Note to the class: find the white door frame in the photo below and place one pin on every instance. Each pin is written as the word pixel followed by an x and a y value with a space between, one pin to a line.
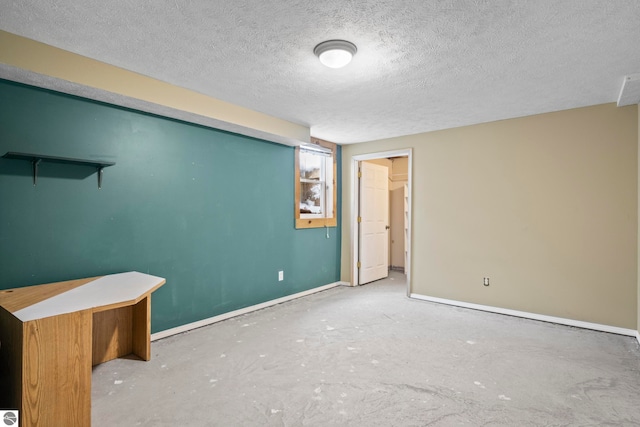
pixel 355 197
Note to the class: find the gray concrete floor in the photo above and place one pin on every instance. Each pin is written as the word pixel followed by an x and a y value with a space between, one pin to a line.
pixel 369 356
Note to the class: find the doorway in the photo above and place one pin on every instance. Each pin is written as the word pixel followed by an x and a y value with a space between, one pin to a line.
pixel 399 253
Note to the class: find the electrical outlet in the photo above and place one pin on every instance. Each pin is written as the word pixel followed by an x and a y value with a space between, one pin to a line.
pixel 280 276
pixel 486 281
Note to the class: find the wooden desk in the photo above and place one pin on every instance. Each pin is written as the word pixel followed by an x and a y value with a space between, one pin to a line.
pixel 51 335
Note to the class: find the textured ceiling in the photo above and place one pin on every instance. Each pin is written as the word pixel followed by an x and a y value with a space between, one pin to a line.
pixel 421 65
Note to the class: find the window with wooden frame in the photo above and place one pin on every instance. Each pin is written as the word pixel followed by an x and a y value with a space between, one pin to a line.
pixel 315 181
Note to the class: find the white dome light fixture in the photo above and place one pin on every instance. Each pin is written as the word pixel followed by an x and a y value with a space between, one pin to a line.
pixel 335 53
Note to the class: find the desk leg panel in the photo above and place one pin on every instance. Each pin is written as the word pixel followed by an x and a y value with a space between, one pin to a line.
pixel 56 384
pixel 112 334
pixel 142 328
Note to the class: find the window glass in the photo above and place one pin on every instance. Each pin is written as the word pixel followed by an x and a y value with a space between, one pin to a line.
pixel 312 183
pixel 315 170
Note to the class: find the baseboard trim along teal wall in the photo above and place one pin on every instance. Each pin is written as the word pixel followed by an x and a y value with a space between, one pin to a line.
pixel 236 313
pixel 210 211
pixel 532 316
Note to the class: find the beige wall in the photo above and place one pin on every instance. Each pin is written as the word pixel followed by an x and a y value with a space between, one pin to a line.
pixel 32 62
pixel 546 206
pixel 382 162
pixel 400 169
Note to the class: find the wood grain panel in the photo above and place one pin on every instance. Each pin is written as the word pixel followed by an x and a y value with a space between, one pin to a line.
pixel 10 360
pixel 19 298
pixel 56 371
pixel 142 328
pixel 112 334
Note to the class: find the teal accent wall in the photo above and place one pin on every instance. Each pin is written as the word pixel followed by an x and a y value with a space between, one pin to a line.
pixel 210 211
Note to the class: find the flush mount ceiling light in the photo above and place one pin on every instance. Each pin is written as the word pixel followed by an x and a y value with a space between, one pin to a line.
pixel 335 53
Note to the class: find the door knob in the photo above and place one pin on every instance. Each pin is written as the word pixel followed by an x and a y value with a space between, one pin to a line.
pixel 386 227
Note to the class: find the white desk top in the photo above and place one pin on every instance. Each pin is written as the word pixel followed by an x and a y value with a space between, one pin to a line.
pixel 105 291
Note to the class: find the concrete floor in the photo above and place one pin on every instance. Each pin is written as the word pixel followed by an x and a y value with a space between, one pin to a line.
pixel 369 356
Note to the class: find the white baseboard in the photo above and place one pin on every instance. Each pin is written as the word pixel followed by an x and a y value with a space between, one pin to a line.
pixel 638 336
pixel 534 316
pixel 224 316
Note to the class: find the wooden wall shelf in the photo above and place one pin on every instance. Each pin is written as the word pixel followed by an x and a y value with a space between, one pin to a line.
pixel 36 159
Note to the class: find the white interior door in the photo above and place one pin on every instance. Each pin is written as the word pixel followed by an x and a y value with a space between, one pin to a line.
pixel 374 223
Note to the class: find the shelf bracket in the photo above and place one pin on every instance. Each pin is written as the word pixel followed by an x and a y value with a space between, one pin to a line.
pixel 35 163
pixel 100 170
